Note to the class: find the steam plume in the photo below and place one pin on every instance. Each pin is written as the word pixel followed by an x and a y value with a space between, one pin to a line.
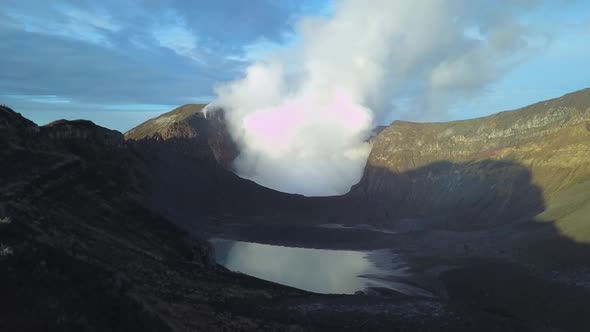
pixel 302 116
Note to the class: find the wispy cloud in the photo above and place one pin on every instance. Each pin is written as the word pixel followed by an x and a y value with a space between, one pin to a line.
pixel 43 99
pixel 68 22
pixel 138 107
pixel 180 40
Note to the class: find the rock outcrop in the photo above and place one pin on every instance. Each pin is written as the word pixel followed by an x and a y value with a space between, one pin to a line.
pixel 187 129
pixel 83 130
pixel 14 129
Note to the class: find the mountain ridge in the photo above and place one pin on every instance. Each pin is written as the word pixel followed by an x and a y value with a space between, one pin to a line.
pixel 551 139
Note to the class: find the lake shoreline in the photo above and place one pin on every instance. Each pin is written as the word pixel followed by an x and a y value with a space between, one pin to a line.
pixel 324 271
pixel 453 275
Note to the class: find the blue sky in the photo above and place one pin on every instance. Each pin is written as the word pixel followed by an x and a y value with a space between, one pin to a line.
pixel 119 63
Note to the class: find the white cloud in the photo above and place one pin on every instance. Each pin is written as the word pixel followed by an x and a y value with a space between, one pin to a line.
pixel 99 20
pixel 43 99
pixel 180 40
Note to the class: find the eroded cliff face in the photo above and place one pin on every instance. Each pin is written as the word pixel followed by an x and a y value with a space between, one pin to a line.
pixel 189 130
pixel 491 170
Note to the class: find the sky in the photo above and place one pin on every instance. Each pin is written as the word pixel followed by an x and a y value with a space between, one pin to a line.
pixel 119 63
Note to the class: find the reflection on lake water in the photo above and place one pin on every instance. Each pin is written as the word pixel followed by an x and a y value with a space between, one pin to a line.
pixel 316 270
